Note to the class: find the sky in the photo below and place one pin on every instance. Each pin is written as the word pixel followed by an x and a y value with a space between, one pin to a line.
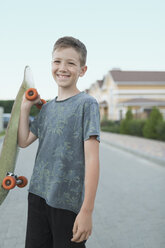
pixel 129 35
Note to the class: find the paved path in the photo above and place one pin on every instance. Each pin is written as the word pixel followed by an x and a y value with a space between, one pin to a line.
pixel 151 149
pixel 129 210
pixel 130 203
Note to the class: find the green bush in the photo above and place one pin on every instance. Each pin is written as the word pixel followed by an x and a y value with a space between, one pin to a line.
pixel 8 104
pixel 2 133
pixel 34 111
pixel 135 127
pixel 160 130
pixel 110 126
pixel 129 115
pixel 124 129
pixel 105 123
pixel 153 128
pixel 113 129
pixel 149 130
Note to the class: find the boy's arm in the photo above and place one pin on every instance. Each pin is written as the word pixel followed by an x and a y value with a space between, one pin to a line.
pixel 25 137
pixel 83 224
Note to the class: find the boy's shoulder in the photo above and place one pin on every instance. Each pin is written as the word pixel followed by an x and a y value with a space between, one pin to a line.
pixel 88 99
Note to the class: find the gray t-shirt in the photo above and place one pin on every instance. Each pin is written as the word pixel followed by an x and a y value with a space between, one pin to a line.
pixel 59 170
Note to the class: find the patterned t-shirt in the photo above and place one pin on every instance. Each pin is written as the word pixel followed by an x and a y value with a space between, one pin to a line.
pixel 59 170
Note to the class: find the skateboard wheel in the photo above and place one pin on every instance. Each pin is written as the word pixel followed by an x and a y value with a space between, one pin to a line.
pixel 39 105
pixel 24 182
pixel 31 94
pixel 9 182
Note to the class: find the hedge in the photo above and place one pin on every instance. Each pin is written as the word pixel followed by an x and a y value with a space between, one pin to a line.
pixel 8 104
pixel 135 127
pixel 153 127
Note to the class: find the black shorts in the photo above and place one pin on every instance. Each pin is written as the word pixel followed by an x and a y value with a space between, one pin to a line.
pixel 49 227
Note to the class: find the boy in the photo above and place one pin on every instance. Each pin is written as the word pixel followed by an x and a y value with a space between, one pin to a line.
pixel 65 176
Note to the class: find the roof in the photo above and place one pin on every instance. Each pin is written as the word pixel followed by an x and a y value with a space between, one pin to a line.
pixel 100 83
pixel 137 76
pixel 142 102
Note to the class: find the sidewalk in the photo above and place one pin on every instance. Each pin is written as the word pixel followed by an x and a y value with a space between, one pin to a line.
pixel 150 149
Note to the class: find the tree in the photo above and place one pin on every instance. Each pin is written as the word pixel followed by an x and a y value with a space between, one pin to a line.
pixel 129 115
pixel 125 123
pixel 160 129
pixel 149 130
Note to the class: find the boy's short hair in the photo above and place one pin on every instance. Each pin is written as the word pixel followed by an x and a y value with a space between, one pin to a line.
pixel 68 41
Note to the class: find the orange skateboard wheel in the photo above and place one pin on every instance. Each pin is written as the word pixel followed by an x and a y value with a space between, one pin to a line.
pixel 9 182
pixel 39 105
pixel 31 94
pixel 24 181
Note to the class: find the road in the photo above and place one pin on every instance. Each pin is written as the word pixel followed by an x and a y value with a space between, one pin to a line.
pixel 129 209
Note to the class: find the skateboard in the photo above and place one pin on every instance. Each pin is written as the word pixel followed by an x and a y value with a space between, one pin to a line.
pixel 9 151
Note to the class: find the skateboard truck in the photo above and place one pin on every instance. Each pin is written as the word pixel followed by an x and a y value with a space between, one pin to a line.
pixel 31 94
pixel 11 180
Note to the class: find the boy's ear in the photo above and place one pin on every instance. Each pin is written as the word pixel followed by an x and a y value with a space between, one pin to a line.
pixel 83 70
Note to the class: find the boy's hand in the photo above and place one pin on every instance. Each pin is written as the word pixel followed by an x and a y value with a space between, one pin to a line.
pixel 82 228
pixel 28 104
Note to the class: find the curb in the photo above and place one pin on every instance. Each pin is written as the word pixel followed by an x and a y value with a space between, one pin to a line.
pixel 137 153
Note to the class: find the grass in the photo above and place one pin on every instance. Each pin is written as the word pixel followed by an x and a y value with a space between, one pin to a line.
pixel 2 133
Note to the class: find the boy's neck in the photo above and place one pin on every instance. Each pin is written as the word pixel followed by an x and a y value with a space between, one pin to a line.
pixel 64 93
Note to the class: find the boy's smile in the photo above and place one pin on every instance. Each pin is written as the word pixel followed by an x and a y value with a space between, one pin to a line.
pixel 66 68
pixel 62 76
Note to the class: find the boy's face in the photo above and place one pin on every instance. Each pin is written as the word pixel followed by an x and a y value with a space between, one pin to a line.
pixel 66 68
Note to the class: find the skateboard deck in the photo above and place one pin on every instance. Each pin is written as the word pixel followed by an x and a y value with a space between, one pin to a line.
pixel 9 149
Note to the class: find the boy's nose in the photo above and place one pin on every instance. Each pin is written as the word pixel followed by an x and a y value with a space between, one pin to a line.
pixel 63 67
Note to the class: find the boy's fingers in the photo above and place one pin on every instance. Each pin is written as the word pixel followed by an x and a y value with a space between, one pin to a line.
pixel 37 100
pixel 87 235
pixel 76 236
pixel 74 228
pixel 79 237
pixel 82 238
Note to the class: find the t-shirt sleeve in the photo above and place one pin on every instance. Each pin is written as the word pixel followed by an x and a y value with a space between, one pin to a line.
pixel 91 120
pixel 34 126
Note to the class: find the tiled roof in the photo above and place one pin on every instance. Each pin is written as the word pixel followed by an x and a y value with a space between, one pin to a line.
pixel 142 101
pixel 100 83
pixel 138 76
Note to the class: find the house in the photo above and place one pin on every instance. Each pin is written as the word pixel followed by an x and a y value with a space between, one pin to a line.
pixel 119 90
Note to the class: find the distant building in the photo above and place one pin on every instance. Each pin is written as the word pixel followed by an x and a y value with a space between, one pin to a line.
pixel 140 90
pixel 1 119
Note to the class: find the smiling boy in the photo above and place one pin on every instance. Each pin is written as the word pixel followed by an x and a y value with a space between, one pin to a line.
pixel 65 176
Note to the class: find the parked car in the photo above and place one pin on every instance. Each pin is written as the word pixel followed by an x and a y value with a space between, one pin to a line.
pixel 6 118
pixel 31 118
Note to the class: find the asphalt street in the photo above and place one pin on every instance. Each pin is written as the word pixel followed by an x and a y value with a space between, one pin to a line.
pixel 129 209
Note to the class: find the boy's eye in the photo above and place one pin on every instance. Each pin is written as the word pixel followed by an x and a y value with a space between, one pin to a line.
pixel 56 61
pixel 71 63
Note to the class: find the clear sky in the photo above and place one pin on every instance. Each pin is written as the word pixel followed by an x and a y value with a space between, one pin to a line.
pixel 125 34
